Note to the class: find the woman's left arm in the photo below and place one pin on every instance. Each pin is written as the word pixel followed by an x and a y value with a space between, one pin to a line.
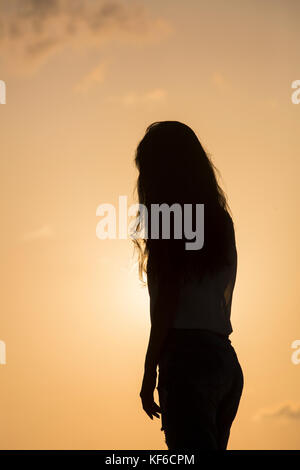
pixel 162 319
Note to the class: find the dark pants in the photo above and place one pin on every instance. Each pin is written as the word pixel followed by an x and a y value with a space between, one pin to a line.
pixel 200 384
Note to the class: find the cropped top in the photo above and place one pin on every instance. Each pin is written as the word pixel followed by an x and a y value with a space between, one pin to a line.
pixel 206 303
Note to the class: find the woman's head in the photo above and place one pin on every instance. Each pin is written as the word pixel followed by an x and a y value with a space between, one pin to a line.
pixel 174 168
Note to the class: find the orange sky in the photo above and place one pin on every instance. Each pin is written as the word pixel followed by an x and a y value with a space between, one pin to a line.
pixel 82 85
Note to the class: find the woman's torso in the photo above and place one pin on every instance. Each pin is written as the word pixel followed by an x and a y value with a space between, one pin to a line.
pixel 205 304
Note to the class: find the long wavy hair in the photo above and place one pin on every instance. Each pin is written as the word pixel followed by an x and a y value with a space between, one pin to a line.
pixel 174 168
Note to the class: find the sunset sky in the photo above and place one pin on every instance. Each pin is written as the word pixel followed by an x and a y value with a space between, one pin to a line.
pixel 83 81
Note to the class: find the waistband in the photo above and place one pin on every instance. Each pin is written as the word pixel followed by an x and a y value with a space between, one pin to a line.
pixel 182 341
pixel 197 334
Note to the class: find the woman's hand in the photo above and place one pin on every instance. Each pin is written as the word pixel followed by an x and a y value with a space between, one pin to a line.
pixel 147 392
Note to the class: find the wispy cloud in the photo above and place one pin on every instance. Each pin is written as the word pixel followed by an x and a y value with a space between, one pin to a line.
pixel 93 77
pixel 33 30
pixel 44 232
pixel 289 411
pixel 219 81
pixel 132 98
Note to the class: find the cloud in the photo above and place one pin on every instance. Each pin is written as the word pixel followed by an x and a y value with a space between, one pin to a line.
pixel 95 76
pixel 219 81
pixel 33 30
pixel 158 94
pixel 284 411
pixel 44 232
pixel 133 98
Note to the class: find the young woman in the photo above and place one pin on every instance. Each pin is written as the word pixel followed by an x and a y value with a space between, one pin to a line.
pixel 200 379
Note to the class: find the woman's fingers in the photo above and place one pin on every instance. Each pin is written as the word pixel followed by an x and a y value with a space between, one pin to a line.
pixel 151 408
pixel 157 408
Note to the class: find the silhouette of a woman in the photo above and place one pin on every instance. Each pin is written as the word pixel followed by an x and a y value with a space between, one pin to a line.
pixel 200 379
